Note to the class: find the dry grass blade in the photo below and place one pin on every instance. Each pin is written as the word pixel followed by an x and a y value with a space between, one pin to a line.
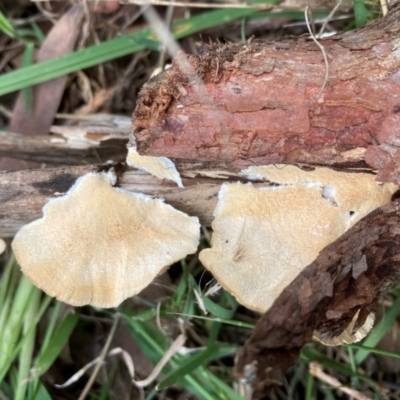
pixel 306 13
pixel 328 18
pixel 316 370
pixel 384 6
pixel 176 345
pixel 189 4
pixel 114 352
pixel 47 96
pixel 101 358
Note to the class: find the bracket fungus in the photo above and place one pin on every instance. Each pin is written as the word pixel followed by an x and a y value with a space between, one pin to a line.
pixel 264 237
pixel 160 167
pixel 99 245
pixel 350 334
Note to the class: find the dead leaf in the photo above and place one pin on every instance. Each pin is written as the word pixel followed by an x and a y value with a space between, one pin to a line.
pixel 46 97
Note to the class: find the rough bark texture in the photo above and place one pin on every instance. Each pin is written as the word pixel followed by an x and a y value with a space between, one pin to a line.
pixel 257 103
pixel 325 296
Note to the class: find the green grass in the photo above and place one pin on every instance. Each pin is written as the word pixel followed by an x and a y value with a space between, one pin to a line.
pixel 23 362
pixel 22 307
pixel 112 49
pixel 24 359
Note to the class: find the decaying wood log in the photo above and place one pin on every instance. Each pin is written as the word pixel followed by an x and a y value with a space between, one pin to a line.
pixel 24 193
pixel 86 139
pixel 325 296
pixel 257 103
pixel 56 150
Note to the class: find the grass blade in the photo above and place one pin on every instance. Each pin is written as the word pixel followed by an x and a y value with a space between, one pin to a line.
pixel 26 354
pixel 12 327
pixel 378 331
pixel 6 26
pixel 186 367
pixel 42 393
pixel 240 324
pixel 216 309
pixel 106 51
pixel 373 350
pixel 201 382
pixel 56 344
pixel 360 13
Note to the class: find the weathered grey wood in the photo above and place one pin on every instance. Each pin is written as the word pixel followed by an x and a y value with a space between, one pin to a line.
pixel 24 193
pixel 57 150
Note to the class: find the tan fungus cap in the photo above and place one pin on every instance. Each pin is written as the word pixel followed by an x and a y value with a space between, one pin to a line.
pixel 349 335
pixel 263 238
pixel 161 167
pixel 99 245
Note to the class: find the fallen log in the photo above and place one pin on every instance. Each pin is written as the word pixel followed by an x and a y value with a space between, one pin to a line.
pixel 24 193
pixel 259 103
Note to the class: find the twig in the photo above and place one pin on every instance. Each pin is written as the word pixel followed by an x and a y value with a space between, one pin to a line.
pixel 168 23
pixel 178 343
pixel 328 18
pixel 384 7
pixel 116 351
pixel 317 371
pixel 306 11
pixel 100 359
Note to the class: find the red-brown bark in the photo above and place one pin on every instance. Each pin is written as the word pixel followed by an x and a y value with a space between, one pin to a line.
pixel 257 103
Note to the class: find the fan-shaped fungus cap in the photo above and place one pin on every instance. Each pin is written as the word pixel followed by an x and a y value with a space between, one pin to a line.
pixel 99 245
pixel 262 238
pixel 2 246
pixel 349 335
pixel 161 167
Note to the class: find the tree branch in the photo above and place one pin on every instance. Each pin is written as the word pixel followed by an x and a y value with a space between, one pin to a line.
pixel 257 103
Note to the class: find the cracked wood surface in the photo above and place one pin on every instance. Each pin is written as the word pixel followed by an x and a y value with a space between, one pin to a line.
pixel 24 193
pixel 256 104
pixel 48 149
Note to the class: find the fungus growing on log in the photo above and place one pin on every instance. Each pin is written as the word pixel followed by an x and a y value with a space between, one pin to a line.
pixel 161 167
pixel 261 106
pixel 325 297
pixel 99 245
pixel 351 334
pixel 263 238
